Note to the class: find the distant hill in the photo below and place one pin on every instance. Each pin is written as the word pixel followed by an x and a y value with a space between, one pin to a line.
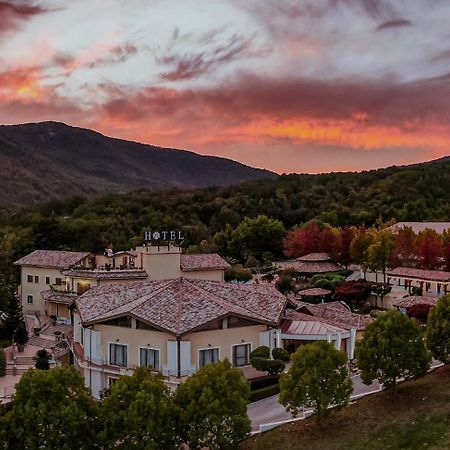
pixel 50 160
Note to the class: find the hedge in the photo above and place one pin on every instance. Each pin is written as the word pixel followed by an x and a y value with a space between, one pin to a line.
pixel 268 391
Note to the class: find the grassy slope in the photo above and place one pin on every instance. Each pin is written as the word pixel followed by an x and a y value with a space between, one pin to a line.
pixel 417 417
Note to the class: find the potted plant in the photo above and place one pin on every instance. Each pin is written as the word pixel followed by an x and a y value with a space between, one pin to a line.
pixel 37 331
pixel 20 337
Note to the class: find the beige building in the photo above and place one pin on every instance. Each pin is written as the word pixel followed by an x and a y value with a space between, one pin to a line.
pixel 51 279
pixel 176 326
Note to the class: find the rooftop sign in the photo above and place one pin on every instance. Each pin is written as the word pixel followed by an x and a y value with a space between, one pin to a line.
pixel 164 235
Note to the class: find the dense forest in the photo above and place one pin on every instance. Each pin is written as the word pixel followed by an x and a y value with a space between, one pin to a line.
pixel 210 216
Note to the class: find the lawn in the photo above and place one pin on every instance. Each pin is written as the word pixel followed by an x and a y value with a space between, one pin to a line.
pixel 416 417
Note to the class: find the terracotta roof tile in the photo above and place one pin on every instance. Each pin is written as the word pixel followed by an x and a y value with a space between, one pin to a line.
pixel 412 300
pixel 54 259
pixel 314 257
pixel 181 305
pixel 313 292
pixel 108 274
pixel 63 298
pixel 410 272
pixel 190 263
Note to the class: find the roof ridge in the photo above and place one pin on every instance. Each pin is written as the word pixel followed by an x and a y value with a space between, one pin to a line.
pixel 222 302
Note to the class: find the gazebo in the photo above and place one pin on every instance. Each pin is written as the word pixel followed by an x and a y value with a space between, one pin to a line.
pixel 312 264
pixel 313 295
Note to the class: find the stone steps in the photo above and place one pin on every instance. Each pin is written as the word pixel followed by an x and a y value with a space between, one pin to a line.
pixel 41 342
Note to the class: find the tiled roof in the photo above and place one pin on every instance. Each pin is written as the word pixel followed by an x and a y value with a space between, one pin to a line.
pixel 179 306
pixel 311 267
pixel 63 298
pixel 206 261
pixel 299 323
pixel 417 227
pixel 313 257
pixel 53 259
pixel 421 274
pixel 412 300
pixel 336 314
pixel 313 292
pixel 108 274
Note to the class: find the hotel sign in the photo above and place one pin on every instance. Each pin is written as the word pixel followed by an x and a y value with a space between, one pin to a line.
pixel 164 235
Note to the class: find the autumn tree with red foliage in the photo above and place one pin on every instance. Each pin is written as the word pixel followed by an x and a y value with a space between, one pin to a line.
pixel 405 247
pixel 446 248
pixel 419 312
pixel 310 238
pixel 341 248
pixel 429 250
pixel 354 293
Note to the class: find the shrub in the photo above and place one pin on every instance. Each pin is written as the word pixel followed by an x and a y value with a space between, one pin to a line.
pixel 43 358
pixel 260 363
pixel 2 363
pixel 281 354
pixel 262 382
pixel 21 335
pixel 275 366
pixel 262 352
pixel 265 392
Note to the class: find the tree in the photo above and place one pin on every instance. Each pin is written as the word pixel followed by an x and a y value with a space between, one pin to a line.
pixel 139 413
pixel 446 248
pixel 430 249
pixel 354 293
pixel 285 281
pixel 380 251
pixel 360 246
pixel 419 312
pixel 438 330
pixel 392 347
pixel 10 304
pixel 260 359
pixel 53 410
pixel 43 358
pixel 318 378
pixel 255 237
pixel 213 405
pixel 341 248
pixel 405 247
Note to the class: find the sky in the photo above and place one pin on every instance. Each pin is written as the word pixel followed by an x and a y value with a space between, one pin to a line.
pixel 288 85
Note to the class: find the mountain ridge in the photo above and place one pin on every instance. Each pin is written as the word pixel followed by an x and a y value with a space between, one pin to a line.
pixel 52 160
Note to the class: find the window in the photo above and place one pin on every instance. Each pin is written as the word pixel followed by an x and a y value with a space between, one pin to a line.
pixel 30 278
pixel 208 356
pixel 241 355
pixel 58 281
pixel 118 355
pixel 36 278
pixel 111 381
pixel 47 280
pixel 149 357
pixel 29 299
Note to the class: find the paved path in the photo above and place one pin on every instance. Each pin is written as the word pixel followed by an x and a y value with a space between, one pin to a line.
pixel 268 410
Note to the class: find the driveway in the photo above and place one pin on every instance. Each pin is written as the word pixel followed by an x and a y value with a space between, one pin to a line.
pixel 268 410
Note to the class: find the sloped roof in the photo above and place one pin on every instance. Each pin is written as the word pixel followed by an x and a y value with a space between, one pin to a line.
pixel 54 259
pixel 313 292
pixel 125 274
pixel 299 323
pixel 311 267
pixel 412 300
pixel 336 314
pixel 206 261
pixel 180 305
pixel 63 298
pixel 421 274
pixel 417 227
pixel 314 257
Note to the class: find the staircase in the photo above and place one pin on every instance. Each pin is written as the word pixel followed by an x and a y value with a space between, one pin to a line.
pixel 41 342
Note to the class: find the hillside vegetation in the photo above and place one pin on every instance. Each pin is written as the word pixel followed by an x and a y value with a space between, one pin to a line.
pixel 419 192
pixel 417 417
pixel 50 160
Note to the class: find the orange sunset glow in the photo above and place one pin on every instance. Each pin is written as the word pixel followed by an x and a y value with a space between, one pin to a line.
pixel 292 86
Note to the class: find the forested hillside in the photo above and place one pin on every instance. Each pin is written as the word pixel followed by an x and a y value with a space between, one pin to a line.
pixel 420 192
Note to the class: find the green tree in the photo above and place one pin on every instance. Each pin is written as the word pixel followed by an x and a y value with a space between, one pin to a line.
pixel 51 409
pixel 380 252
pixel 359 248
pixel 139 413
pixel 392 347
pixel 438 330
pixel 256 237
pixel 213 405
pixel 43 358
pixel 2 362
pixel 317 378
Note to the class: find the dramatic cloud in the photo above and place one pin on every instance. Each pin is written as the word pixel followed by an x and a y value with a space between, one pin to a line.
pixel 14 12
pixel 291 85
